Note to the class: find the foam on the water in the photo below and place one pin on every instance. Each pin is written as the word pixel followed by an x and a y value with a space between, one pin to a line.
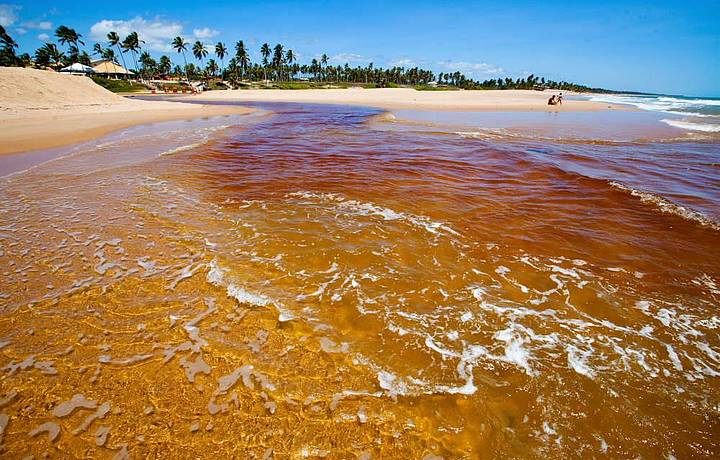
pixel 667 206
pixel 693 125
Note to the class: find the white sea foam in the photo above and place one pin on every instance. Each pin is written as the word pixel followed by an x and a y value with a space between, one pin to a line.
pixel 216 277
pixel 370 209
pixel 693 126
pixel 243 296
pixel 393 385
pixel 674 357
pixel 578 361
pixel 700 114
pixel 182 148
pixel 666 104
pixel 515 352
pixel 667 206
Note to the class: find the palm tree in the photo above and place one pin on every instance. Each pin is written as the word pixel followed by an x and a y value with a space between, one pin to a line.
pixel 265 51
pixel 324 63
pixel 148 63
pixel 49 54
pixel 98 49
pixel 132 44
pixel 6 39
pixel 290 58
pixel 165 65
pixel 109 55
pixel 180 45
pixel 278 58
pixel 114 40
pixel 242 57
pixel 212 67
pixel 221 52
pixel 199 51
pixel 7 50
pixel 68 36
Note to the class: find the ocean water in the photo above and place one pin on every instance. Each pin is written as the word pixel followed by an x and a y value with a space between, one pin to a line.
pixel 326 281
pixel 688 113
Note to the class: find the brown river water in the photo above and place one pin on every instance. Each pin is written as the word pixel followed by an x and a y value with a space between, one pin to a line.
pixel 315 281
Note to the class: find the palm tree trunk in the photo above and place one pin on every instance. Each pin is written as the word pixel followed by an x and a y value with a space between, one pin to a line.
pixel 187 79
pixel 122 56
pixel 137 70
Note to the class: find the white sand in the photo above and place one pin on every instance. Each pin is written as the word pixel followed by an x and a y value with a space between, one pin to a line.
pixel 405 98
pixel 42 109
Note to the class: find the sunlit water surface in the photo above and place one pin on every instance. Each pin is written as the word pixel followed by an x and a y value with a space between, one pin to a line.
pixel 316 281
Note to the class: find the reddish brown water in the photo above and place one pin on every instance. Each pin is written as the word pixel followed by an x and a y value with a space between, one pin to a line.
pixel 316 282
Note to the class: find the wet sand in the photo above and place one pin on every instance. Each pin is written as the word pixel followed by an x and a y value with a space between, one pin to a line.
pixel 27 131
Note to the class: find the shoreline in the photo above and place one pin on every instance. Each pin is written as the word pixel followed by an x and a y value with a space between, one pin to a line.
pixel 41 110
pixel 29 130
pixel 411 99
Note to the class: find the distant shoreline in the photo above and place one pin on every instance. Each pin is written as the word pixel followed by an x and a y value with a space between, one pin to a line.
pixel 409 99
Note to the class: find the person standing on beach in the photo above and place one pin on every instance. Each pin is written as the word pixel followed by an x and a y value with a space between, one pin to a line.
pixel 559 99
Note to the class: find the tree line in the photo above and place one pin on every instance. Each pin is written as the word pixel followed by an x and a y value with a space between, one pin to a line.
pixel 278 64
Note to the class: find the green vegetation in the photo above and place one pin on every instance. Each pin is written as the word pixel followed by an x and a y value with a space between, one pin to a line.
pixel 120 86
pixel 277 69
pixel 8 57
pixel 217 85
pixel 435 88
pixel 298 84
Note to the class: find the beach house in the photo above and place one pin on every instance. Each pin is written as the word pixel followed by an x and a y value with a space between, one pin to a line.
pixel 109 69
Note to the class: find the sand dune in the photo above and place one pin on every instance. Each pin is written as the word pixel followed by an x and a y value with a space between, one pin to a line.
pixel 41 109
pixel 30 89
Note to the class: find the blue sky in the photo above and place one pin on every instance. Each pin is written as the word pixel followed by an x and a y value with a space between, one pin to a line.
pixel 662 46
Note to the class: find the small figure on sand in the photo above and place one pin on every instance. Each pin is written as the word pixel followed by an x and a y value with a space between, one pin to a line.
pixel 555 99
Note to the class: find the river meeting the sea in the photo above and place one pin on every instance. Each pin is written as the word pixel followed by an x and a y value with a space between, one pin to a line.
pixel 325 280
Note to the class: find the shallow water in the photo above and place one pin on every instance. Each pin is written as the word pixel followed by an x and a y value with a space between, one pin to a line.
pixel 316 281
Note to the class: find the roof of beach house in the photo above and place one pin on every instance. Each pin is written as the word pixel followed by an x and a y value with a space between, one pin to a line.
pixel 105 66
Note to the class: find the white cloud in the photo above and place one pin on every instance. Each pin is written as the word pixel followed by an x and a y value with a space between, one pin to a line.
pixel 402 63
pixel 8 14
pixel 156 33
pixel 349 58
pixel 41 25
pixel 20 31
pixel 43 37
pixel 205 33
pixel 470 68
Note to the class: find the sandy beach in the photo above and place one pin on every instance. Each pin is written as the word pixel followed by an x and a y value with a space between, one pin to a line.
pixel 41 109
pixel 407 98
